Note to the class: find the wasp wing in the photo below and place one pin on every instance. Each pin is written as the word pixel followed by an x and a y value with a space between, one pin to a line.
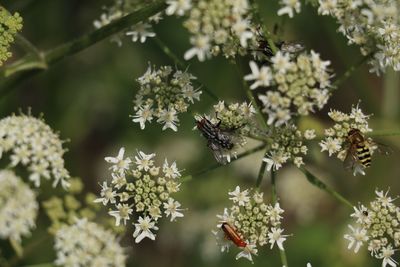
pixel 351 159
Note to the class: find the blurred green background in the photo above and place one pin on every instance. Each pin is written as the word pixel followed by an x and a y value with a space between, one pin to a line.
pixel 88 99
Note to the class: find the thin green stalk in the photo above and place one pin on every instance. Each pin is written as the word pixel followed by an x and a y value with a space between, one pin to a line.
pixel 71 48
pixel 274 201
pixel 391 95
pixel 260 21
pixel 167 51
pixel 261 173
pixel 321 185
pixel 217 165
pixel 342 78
pixel 27 46
pixel 47 264
pixel 19 251
pixel 384 133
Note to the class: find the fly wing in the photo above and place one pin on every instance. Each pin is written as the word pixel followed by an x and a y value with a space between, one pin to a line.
pixel 383 149
pixel 218 153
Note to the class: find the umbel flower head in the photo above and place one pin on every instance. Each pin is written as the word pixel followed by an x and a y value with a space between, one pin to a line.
pixel 374 25
pixel 376 226
pixel 225 132
pixel 255 222
pixel 9 26
pixel 287 145
pixel 30 142
pixel 87 244
pixel 295 85
pixel 219 26
pixel 140 186
pixel 163 94
pixel 18 207
pixel 120 8
pixel 336 137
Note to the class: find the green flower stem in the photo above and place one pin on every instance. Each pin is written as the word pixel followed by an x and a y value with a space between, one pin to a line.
pixel 342 78
pixel 27 46
pixel 217 165
pixel 384 133
pixel 19 251
pixel 261 173
pixel 71 48
pixel 321 185
pixel 259 20
pixel 390 109
pixel 47 264
pixel 274 201
pixel 167 51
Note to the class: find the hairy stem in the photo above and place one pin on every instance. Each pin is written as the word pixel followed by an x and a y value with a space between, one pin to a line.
pixel 167 51
pixel 321 185
pixel 71 48
pixel 342 78
pixel 384 133
pixel 274 201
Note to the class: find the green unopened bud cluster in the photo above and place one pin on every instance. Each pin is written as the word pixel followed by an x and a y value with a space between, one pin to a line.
pixel 10 25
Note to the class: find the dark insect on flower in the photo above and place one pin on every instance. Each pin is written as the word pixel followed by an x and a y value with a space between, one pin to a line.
pixel 219 140
pixel 233 235
pixel 359 151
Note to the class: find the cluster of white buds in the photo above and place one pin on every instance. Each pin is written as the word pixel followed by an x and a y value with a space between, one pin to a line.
pixel 164 93
pixel 87 244
pixel 142 187
pixel 120 8
pixel 287 144
pixel 377 226
pixel 336 137
pixel 374 25
pixel 289 7
pixel 295 85
pixel 251 222
pixel 18 207
pixel 31 142
pixel 220 26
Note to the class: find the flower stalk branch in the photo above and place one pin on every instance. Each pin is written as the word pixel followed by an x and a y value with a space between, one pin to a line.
pixel 321 185
pixel 274 201
pixel 168 52
pixel 22 72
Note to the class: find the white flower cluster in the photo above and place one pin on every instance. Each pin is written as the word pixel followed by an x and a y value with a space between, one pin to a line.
pixel 287 144
pixel 164 93
pixel 336 140
pixel 374 25
pixel 220 26
pixel 295 85
pixel 289 7
pixel 256 223
pixel 31 142
pixel 377 226
pixel 87 244
pixel 18 207
pixel 140 31
pixel 140 186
